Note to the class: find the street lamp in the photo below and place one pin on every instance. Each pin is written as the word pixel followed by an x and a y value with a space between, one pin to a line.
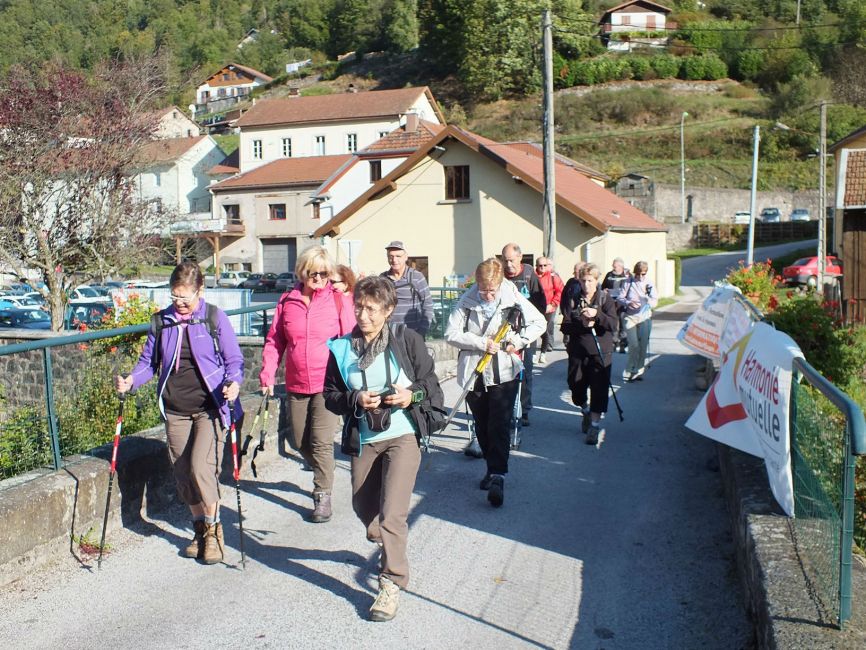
pixel 683 167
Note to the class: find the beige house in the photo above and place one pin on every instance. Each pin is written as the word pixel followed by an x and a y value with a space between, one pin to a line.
pixel 171 122
pixel 268 214
pixel 326 125
pixel 461 197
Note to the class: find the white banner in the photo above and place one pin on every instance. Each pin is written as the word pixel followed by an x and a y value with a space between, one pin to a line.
pixel 748 404
pixel 720 321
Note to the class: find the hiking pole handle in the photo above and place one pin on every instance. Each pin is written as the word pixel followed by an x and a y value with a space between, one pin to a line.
pixel 497 338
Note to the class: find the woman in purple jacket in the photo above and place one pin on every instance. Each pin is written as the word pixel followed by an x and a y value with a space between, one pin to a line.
pixel 196 356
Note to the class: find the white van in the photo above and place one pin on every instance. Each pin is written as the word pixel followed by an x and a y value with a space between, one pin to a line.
pixel 742 217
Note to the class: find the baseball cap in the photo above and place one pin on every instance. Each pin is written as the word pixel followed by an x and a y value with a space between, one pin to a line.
pixel 395 244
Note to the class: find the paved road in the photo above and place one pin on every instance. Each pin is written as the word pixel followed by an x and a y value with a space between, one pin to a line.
pixel 703 271
pixel 626 546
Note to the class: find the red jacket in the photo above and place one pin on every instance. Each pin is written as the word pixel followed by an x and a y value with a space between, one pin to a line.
pixel 552 285
pixel 302 332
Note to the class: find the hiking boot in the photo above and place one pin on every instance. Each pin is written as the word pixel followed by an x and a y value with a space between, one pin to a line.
pixel 473 449
pixel 587 420
pixel 524 420
pixel 496 493
pixel 485 482
pixel 385 606
pixel 595 431
pixel 212 546
pixel 627 375
pixel 196 546
pixel 322 508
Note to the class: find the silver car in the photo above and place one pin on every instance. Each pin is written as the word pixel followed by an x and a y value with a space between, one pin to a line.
pixel 232 279
pixel 285 282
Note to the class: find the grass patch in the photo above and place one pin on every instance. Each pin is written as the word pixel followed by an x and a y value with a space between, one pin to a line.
pixel 228 142
pixel 700 252
pixel 664 302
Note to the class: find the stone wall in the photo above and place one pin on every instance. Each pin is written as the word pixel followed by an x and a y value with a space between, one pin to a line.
pixel 720 204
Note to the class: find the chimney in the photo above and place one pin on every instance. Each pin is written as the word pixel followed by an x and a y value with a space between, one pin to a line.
pixel 411 122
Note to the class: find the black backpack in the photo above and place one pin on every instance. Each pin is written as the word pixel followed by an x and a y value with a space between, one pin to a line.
pixel 157 324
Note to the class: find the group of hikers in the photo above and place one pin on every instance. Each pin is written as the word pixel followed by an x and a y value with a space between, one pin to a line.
pixel 353 349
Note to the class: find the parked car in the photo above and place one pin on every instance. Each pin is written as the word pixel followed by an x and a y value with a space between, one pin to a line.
pixel 146 284
pixel 83 291
pixel 35 298
pixel 770 215
pixel 89 312
pixel 742 217
pixel 28 319
pixel 805 270
pixel 260 281
pixel 800 214
pixel 232 279
pixel 285 282
pixel 18 302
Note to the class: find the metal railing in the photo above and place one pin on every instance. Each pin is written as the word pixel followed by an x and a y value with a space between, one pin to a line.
pixel 444 300
pixel 827 433
pixel 48 415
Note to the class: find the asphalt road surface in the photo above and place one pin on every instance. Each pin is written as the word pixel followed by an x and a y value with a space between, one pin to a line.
pixel 703 271
pixel 623 546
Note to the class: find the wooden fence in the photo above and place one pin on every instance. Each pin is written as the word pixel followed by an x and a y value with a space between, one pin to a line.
pixel 716 235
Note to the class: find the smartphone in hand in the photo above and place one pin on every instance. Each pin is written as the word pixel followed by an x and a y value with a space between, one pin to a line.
pixel 386 392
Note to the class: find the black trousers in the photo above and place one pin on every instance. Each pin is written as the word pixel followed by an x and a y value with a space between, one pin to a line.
pixel 492 409
pixel 587 372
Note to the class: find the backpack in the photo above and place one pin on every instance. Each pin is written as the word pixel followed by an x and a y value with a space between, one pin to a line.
pixel 157 324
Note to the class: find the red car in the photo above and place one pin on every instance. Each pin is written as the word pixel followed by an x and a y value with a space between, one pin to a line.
pixel 805 270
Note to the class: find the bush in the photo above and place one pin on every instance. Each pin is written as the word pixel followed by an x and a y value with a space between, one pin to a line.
pixel 756 282
pixel 714 67
pixel 640 67
pixel 748 65
pixel 666 66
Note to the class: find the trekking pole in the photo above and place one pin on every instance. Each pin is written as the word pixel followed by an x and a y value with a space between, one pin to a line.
pixel 233 432
pixel 609 385
pixel 111 473
pixel 264 406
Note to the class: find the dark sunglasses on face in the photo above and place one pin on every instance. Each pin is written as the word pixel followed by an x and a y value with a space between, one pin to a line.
pixel 318 274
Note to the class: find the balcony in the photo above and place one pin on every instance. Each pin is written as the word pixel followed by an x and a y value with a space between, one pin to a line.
pixel 203 222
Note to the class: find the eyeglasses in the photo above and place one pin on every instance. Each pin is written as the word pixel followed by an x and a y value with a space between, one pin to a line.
pixel 371 311
pixel 337 281
pixel 184 299
pixel 318 274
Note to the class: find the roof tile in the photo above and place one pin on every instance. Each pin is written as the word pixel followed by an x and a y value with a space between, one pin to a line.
pixel 855 178
pixel 310 170
pixel 169 149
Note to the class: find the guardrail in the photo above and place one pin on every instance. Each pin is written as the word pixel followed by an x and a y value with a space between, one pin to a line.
pixel 444 300
pixel 42 422
pixel 827 434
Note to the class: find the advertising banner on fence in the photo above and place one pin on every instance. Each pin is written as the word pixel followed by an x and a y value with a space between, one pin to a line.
pixel 747 405
pixel 721 320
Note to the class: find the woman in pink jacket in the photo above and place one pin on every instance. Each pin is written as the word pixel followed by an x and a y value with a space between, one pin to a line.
pixel 306 317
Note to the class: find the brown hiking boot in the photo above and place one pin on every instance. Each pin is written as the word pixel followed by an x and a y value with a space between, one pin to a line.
pixel 322 510
pixel 385 606
pixel 212 548
pixel 196 546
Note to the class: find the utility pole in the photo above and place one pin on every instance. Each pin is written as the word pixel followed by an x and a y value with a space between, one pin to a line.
pixel 683 168
pixel 822 200
pixel 756 140
pixel 549 216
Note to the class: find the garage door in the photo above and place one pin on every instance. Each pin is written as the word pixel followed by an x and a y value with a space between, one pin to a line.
pixel 279 255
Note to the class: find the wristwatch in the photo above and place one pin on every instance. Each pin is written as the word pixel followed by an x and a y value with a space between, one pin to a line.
pixel 417 396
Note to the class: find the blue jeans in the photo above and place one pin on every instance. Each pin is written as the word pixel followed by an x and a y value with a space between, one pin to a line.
pixel 638 336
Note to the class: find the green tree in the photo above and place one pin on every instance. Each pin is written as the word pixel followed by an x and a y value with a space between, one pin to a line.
pixel 400 31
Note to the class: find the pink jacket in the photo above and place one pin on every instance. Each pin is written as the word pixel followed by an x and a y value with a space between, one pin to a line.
pixel 301 331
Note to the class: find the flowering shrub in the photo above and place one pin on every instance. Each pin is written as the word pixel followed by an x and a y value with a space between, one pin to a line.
pixel 757 282
pixel 129 310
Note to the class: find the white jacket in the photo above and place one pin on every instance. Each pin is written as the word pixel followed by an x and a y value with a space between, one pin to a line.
pixel 466 331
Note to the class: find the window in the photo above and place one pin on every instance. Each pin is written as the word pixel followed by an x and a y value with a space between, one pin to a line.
pixel 157 179
pixel 221 92
pixel 320 145
pixel 226 76
pixel 232 212
pixel 278 211
pixel 257 149
pixel 457 182
pixel 351 142
pixel 375 170
pixel 317 212
pixel 626 20
pixel 382 134
pixel 287 147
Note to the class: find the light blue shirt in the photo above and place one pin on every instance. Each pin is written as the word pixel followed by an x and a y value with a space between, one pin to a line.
pixel 401 422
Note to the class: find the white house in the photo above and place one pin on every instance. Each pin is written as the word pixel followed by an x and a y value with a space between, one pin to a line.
pixel 460 197
pixel 227 86
pixel 171 122
pixel 327 125
pixel 635 18
pixel 174 171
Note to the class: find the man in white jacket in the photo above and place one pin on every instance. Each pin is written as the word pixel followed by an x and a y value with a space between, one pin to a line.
pixel 471 328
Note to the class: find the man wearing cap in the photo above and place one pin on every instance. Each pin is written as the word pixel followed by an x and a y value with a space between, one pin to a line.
pixel 414 302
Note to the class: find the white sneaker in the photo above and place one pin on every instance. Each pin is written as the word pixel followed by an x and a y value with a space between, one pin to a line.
pixel 639 374
pixel 626 375
pixel 541 359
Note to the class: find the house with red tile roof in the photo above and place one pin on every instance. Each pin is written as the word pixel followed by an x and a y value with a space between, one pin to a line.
pixel 849 226
pixel 326 125
pixel 460 197
pixel 635 23
pixel 270 206
pixel 171 122
pixel 228 85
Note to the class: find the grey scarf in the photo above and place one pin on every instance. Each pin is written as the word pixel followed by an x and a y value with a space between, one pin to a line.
pixel 367 353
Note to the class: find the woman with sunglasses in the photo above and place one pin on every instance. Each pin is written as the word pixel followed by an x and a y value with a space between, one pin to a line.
pixel 306 318
pixel 638 297
pixel 193 350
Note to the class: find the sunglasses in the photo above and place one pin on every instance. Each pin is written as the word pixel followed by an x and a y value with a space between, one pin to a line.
pixel 318 274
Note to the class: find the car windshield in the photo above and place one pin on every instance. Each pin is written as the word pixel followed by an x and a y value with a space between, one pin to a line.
pixel 87 292
pixel 803 261
pixel 33 316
